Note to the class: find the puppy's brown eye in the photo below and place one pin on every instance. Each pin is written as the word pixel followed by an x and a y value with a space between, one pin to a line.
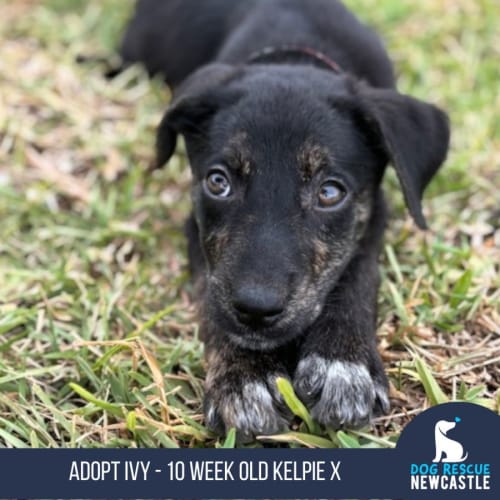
pixel 218 184
pixel 331 193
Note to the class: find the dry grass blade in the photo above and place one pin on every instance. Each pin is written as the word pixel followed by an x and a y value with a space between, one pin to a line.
pixel 48 172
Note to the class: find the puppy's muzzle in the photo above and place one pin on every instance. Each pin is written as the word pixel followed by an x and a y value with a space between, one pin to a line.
pixel 258 305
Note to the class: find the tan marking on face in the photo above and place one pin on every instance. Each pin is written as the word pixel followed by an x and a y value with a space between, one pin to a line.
pixel 311 158
pixel 216 242
pixel 321 256
pixel 362 213
pixel 237 152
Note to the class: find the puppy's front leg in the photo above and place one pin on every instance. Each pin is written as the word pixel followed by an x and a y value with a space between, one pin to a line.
pixel 241 390
pixel 240 385
pixel 340 375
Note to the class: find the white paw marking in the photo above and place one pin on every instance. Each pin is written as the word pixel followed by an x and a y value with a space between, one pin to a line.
pixel 251 411
pixel 345 390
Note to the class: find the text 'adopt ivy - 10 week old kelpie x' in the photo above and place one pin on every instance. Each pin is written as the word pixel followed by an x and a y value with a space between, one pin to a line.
pixel 290 116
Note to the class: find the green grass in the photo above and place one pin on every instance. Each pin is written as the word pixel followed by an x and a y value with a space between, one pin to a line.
pixel 98 339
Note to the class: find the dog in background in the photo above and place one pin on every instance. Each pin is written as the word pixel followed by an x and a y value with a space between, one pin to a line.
pixel 290 115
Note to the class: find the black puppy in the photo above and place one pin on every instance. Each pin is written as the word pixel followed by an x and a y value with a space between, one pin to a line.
pixel 290 116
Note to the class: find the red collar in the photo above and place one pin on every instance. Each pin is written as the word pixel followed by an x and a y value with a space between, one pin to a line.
pixel 281 52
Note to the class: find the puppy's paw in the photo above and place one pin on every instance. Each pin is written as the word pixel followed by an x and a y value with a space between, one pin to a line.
pixel 340 393
pixel 253 408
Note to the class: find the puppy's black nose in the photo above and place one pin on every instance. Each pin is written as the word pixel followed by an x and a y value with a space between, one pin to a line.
pixel 258 305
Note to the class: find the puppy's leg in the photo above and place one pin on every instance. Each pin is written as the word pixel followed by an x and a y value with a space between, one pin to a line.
pixel 340 375
pixel 240 384
pixel 241 390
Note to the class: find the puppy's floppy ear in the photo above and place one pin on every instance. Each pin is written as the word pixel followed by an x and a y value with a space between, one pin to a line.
pixel 196 100
pixel 415 136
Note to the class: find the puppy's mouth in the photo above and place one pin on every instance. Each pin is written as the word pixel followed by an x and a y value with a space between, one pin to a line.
pixel 260 337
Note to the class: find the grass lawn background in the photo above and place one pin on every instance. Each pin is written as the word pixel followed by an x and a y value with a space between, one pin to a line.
pixel 98 339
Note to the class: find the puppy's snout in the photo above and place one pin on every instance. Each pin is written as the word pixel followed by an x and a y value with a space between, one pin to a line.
pixel 258 305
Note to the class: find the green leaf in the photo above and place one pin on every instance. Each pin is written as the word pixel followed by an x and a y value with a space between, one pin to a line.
pixel 34 372
pixel 293 402
pixel 298 437
pixel 474 392
pixel 131 421
pixel 379 441
pixel 429 259
pixel 9 322
pixel 398 302
pixel 347 441
pixel 188 430
pixel 137 333
pixel 488 403
pixel 109 407
pixel 432 389
pixel 11 440
pixel 459 291
pixel 393 261
pixel 462 390
pixel 230 439
pixel 34 442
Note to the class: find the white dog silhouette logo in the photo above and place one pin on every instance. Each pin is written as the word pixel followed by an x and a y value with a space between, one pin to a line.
pixel 453 450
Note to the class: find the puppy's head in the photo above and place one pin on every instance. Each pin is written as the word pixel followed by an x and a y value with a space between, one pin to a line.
pixel 443 426
pixel 286 166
